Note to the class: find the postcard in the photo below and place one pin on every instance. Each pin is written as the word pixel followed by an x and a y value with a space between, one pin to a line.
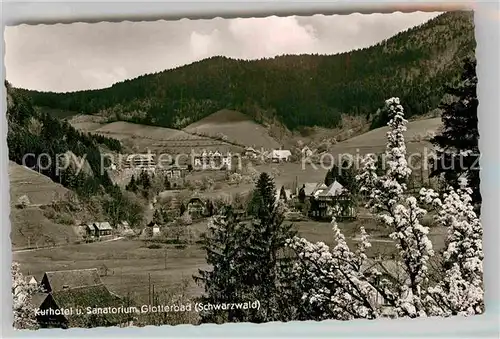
pixel 320 167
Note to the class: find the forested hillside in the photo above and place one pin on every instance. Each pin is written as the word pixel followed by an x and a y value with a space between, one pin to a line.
pixel 37 140
pixel 298 90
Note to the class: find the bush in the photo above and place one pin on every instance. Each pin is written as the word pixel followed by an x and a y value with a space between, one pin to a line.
pixel 154 246
pixel 64 219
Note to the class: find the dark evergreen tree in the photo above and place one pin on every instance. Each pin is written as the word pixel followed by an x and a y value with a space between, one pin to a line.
pixel 302 194
pixel 283 194
pixel 457 146
pixel 158 217
pixel 267 263
pixel 223 283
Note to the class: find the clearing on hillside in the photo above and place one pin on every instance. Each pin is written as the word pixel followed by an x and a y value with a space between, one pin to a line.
pixel 416 137
pixel 41 190
pixel 167 140
pixel 237 127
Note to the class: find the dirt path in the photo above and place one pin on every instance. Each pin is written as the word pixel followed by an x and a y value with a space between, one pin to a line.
pixel 46 248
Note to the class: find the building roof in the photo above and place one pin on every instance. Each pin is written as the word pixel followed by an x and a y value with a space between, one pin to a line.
pixel 288 194
pixel 103 226
pixel 281 153
pixel 311 187
pixel 91 226
pixel 88 296
pixel 60 280
pixel 37 299
pixel 331 191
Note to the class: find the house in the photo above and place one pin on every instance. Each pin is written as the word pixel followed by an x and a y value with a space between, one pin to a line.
pixel 306 152
pixel 102 229
pixel 71 291
pixel 54 281
pixel 196 208
pixel 250 152
pixel 140 161
pixel 175 176
pixel 31 280
pixel 212 161
pixel 154 228
pixel 287 197
pixel 91 231
pixel 330 202
pixel 280 155
pixel 311 188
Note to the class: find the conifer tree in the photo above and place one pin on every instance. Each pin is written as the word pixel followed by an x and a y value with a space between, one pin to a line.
pixel 457 146
pixel 223 283
pixel 267 264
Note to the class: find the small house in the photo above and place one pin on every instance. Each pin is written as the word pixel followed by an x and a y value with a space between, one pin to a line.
pixel 175 175
pixel 306 152
pixel 91 231
pixel 103 229
pixel 196 208
pixel 281 155
pixel 54 281
pixel 31 280
pixel 250 152
pixel 54 311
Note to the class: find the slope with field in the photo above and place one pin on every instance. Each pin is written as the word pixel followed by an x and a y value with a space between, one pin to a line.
pixel 235 127
pixel 374 141
pixel 30 227
pixel 39 189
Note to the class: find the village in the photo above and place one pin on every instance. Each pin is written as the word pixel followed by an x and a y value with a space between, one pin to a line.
pixel 178 215
pixel 229 180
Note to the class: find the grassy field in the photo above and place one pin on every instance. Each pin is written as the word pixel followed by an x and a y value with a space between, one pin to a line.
pixel 40 189
pixel 130 262
pixel 137 137
pixel 375 140
pixel 29 226
pixel 237 127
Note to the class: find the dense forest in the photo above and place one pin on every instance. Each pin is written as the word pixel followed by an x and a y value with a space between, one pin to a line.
pixel 297 90
pixel 33 132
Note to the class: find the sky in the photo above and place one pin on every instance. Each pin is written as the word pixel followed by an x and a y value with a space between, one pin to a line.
pixel 80 56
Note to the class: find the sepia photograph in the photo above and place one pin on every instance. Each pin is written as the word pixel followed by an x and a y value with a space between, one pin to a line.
pixel 229 170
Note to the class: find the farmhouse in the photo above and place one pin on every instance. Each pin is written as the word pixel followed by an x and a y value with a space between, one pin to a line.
pixel 175 176
pixel 212 160
pixel 73 290
pixel 312 188
pixel 55 281
pixel 90 230
pixel 31 280
pixel 154 228
pixel 250 152
pixel 102 229
pixel 279 155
